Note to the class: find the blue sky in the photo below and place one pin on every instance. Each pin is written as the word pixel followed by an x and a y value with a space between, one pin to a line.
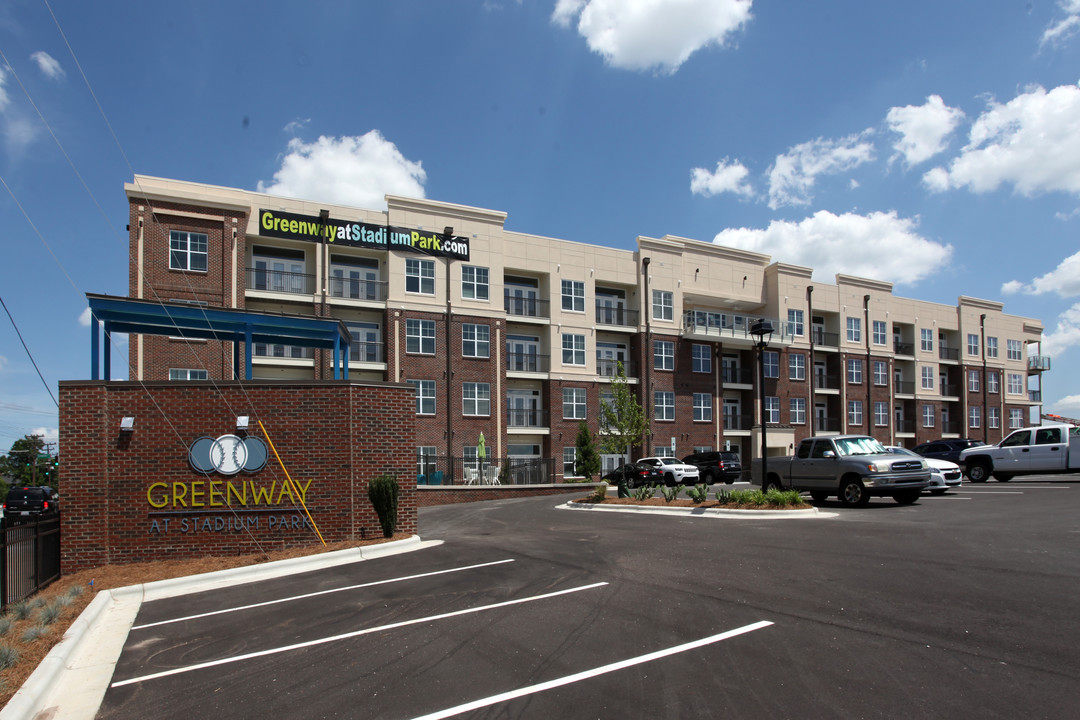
pixel 936 145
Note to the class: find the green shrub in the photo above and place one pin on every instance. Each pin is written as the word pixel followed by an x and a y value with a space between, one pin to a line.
pixel 20 610
pixel 383 493
pixel 49 613
pixel 723 496
pixel 5 626
pixel 698 493
pixel 32 633
pixel 670 493
pixel 74 591
pixel 645 492
pixel 599 493
pixel 8 656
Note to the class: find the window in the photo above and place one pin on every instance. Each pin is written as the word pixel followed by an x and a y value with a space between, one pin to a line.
pixel 475 340
pixel 879 332
pixel 927 379
pixel 425 396
pixel 881 414
pixel 993 417
pixel 973 344
pixel 662 305
pixel 974 417
pixel 797 366
pixel 183 374
pixel 1016 418
pixel 420 276
pixel 1015 384
pixel 991 347
pixel 992 383
pixel 187 251
pixel 797 407
pixel 854 412
pixel 772 409
pixel 476 399
pixel 474 282
pixel 569 461
pixel 701 358
pixel 425 459
pixel 772 364
pixel 795 322
pixel 573 349
pixel 702 407
pixel 854 329
pixel 1014 350
pixel 973 381
pixel 420 336
pixel 881 372
pixel 928 416
pixel 927 336
pixel 663 355
pixel 854 370
pixel 663 405
pixel 573 403
pixel 470 457
pixel 573 295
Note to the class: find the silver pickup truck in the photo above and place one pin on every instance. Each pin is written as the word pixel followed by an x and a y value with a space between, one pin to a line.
pixel 852 467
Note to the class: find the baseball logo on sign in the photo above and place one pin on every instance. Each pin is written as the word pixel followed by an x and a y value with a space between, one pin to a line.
pixel 228 454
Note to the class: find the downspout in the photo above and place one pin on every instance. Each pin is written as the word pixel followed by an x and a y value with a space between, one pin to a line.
pixel 985 379
pixel 869 368
pixel 648 352
pixel 810 317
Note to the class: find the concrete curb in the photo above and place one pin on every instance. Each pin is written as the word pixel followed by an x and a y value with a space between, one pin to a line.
pixel 736 514
pixel 70 682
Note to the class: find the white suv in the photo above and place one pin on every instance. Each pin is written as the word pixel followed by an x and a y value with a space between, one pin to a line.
pixel 676 472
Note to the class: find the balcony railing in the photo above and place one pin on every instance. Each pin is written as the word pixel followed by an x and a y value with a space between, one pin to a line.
pixel 527 362
pixel 291 352
pixel 826 382
pixel 517 418
pixel 903 348
pixel 1035 396
pixel 1038 363
pixel 733 421
pixel 826 339
pixel 726 325
pixel 525 306
pixel 737 376
pixel 950 426
pixel 366 352
pixel 905 426
pixel 373 290
pixel 950 389
pixel 904 387
pixel 279 281
pixel 826 424
pixel 621 316
pixel 948 353
pixel 606 367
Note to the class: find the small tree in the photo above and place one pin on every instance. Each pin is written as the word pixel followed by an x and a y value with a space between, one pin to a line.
pixel 587 463
pixel 28 462
pixel 622 421
pixel 383 493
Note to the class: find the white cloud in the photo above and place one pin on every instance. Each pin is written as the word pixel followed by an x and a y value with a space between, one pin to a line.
pixel 48 65
pixel 49 435
pixel 792 176
pixel 652 34
pixel 879 245
pixel 1065 335
pixel 348 170
pixel 296 125
pixel 727 178
pixel 1063 29
pixel 84 317
pixel 1070 402
pixel 1032 142
pixel 923 129
pixel 4 99
pixel 1063 280
pixel 1065 217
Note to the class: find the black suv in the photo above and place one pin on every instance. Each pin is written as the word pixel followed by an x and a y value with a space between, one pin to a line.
pixel 31 501
pixel 946 449
pixel 716 465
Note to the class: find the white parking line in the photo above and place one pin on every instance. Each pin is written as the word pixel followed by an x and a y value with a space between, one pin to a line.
pixel 586 674
pixel 321 592
pixel 993 492
pixel 345 636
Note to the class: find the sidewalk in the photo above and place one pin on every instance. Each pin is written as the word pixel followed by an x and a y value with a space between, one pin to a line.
pixel 71 681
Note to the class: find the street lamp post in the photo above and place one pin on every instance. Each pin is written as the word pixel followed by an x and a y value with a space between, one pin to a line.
pixel 762 330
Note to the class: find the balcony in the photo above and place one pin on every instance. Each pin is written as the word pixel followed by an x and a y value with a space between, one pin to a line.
pixel 1038 363
pixel 725 326
pixel 950 427
pixel 903 348
pixel 826 382
pixel 285 352
pixel 950 390
pixel 821 338
pixel 530 307
pixel 526 418
pixel 614 315
pixel 826 424
pixel 279 281
pixel 737 376
pixel 733 421
pixel 606 367
pixel 354 289
pixel 904 387
pixel 905 426
pixel 1035 396
pixel 527 362
pixel 371 352
pixel 948 353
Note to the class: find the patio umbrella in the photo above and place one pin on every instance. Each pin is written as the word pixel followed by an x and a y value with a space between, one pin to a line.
pixel 481 450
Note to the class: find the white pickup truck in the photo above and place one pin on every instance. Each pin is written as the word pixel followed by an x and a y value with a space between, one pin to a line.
pixel 1045 449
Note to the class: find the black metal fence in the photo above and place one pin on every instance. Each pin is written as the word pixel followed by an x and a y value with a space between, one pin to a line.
pixel 442 470
pixel 31 556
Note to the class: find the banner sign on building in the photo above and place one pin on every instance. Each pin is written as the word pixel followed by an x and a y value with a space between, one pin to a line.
pixel 292 226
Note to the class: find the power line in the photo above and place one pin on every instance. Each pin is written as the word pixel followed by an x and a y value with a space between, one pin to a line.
pixel 28 353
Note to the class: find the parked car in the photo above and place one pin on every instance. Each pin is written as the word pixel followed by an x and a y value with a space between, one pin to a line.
pixel 949 449
pixel 635 474
pixel 25 501
pixel 674 471
pixel 716 465
pixel 943 474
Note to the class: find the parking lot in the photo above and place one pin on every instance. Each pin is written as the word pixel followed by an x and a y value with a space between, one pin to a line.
pixel 959 606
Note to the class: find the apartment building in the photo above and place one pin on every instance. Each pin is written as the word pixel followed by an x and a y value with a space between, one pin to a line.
pixel 518 336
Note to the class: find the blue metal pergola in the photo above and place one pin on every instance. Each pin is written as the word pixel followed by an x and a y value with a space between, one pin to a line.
pixel 200 322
